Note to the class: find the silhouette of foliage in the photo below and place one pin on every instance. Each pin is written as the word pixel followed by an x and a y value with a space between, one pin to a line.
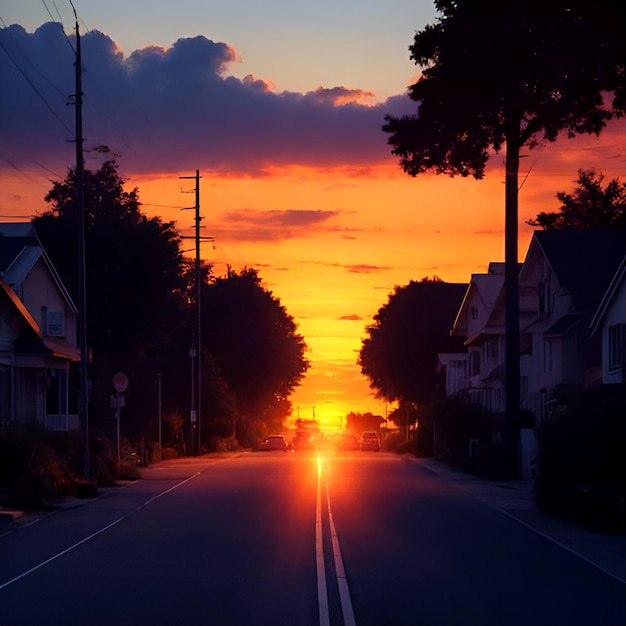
pixel 256 347
pixel 134 272
pixel 359 422
pixel 399 354
pixel 506 75
pixel 590 205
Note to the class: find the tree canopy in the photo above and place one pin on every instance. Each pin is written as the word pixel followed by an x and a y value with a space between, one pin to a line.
pixel 399 354
pixel 508 75
pixel 360 422
pixel 256 347
pixel 590 205
pixel 134 269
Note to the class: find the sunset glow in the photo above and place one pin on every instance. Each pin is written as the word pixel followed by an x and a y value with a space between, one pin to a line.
pixel 298 185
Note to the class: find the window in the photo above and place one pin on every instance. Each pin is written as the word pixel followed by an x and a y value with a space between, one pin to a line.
pixel 544 295
pixel 55 324
pixel 617 337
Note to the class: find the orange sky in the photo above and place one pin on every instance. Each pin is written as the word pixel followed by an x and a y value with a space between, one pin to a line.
pixel 299 185
pixel 367 231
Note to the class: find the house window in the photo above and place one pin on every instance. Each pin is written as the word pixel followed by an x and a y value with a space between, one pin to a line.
pixel 617 338
pixel 474 313
pixel 55 324
pixel 544 295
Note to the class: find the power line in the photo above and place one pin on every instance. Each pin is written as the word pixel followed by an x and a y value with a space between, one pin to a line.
pixel 34 88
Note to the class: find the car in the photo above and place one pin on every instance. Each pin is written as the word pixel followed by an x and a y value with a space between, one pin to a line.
pixel 370 441
pixel 275 442
pixel 347 442
pixel 304 441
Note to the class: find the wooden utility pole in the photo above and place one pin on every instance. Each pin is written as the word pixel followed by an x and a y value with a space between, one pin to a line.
pixel 196 342
pixel 83 400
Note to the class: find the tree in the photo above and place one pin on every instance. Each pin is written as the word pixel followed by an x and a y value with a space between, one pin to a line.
pixel 399 354
pixel 589 206
pixel 256 347
pixel 507 75
pixel 134 268
pixel 360 422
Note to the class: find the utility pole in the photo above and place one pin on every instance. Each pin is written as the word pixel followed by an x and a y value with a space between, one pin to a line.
pixel 83 400
pixel 196 342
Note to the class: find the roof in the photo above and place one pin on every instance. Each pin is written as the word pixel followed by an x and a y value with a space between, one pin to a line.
pixel 20 250
pixel 584 261
pixel 19 305
pixel 565 324
pixel 487 286
pixel 618 278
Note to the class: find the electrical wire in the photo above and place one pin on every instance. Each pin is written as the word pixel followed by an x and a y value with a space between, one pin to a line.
pixel 34 88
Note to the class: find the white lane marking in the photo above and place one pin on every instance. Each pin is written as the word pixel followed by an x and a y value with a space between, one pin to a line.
pixel 322 592
pixel 561 545
pixel 342 581
pixel 98 532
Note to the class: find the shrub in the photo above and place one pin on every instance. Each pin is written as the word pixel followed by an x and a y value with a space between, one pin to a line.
pixel 34 465
pixel 581 463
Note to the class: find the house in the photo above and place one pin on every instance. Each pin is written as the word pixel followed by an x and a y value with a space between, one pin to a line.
pixel 478 372
pixel 572 284
pixel 609 322
pixel 563 279
pixel 38 335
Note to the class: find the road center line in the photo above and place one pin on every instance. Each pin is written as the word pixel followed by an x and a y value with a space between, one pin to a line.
pixel 86 539
pixel 342 581
pixel 322 592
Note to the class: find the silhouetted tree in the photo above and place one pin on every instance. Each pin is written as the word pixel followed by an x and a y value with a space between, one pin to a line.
pixel 399 354
pixel 359 422
pixel 256 347
pixel 134 270
pixel 589 206
pixel 507 75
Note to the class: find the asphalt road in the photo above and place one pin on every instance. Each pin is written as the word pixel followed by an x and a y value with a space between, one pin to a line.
pixel 295 539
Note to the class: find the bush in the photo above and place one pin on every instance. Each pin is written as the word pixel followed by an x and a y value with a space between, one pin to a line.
pixel 128 471
pixel 34 465
pixel 397 442
pixel 581 463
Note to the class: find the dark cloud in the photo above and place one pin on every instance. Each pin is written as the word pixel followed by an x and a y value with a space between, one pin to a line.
pixel 366 269
pixel 174 109
pixel 351 318
pixel 251 225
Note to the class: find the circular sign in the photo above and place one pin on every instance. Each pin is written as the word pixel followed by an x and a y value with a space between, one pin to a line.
pixel 120 382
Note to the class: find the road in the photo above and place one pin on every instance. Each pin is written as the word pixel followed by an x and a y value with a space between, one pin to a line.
pixel 276 539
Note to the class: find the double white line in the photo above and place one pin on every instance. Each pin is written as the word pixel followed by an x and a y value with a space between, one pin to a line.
pixel 342 583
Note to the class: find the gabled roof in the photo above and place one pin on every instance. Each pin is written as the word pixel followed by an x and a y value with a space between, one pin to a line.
pixel 583 261
pixel 19 306
pixel 20 250
pixel 618 279
pixel 486 287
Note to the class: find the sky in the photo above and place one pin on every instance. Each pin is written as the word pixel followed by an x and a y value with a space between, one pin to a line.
pixel 279 106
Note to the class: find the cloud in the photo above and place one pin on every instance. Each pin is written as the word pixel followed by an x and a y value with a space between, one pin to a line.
pixel 351 318
pixel 175 109
pixel 270 226
pixel 366 269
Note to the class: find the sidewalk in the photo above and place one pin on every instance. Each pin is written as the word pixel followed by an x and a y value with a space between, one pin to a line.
pixel 12 517
pixel 516 499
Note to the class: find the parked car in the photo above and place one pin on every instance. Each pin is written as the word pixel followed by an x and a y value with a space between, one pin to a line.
pixel 347 442
pixel 275 442
pixel 304 441
pixel 370 441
